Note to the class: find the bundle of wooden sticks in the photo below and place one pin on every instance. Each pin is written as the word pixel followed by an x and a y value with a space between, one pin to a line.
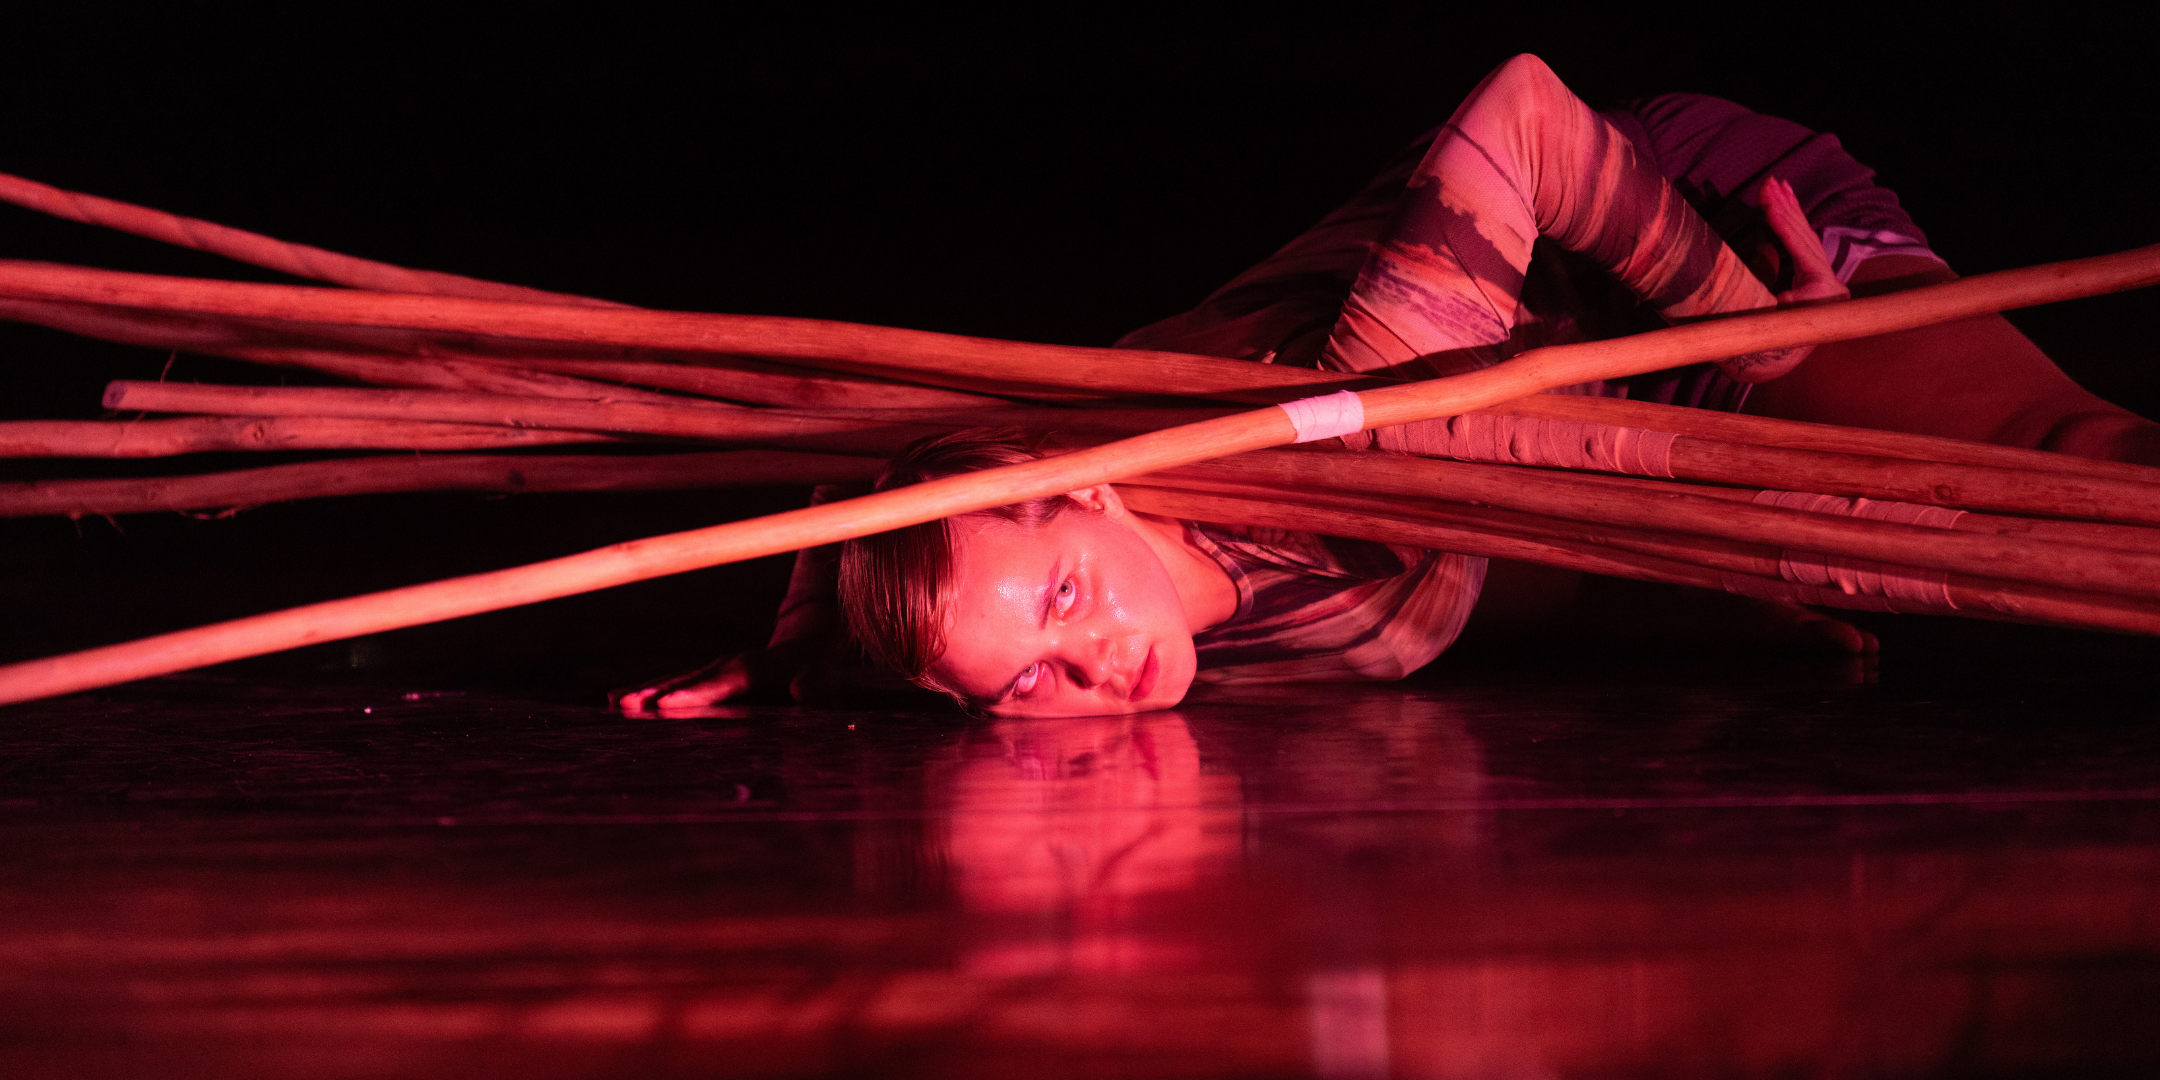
pixel 454 367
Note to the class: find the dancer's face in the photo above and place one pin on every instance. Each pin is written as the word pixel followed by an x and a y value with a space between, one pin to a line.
pixel 1073 617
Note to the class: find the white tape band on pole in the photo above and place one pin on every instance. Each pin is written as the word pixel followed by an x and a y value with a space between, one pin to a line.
pixel 1326 416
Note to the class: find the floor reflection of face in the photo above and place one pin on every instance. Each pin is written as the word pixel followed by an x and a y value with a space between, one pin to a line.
pixel 1060 813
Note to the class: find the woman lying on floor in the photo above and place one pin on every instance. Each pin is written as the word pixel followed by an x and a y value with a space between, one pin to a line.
pixel 1526 220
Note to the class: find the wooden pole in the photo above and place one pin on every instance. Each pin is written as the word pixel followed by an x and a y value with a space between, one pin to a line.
pixel 884 350
pixel 2079 569
pixel 434 373
pixel 206 434
pixel 914 355
pixel 707 421
pixel 400 358
pixel 1797 435
pixel 1640 554
pixel 1977 487
pixel 760 383
pixel 299 260
pixel 1435 534
pixel 1529 373
pixel 2080 533
pixel 472 473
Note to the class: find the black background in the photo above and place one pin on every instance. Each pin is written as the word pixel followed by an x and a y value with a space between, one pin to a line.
pixel 1043 178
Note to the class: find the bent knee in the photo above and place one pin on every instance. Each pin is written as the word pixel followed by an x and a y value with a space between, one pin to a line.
pixel 2107 433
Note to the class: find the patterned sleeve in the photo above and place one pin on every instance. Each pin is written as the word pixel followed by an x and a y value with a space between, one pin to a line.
pixel 1718 154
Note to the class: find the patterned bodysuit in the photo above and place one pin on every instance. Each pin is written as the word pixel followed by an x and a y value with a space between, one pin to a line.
pixel 1526 220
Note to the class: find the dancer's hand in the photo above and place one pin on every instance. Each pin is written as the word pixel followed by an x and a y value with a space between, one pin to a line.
pixel 773 667
pixel 1814 279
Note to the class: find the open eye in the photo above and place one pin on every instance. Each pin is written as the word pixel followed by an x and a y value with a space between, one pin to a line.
pixel 1066 592
pixel 1028 678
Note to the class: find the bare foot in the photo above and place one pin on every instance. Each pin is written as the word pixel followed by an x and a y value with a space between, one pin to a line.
pixel 1808 630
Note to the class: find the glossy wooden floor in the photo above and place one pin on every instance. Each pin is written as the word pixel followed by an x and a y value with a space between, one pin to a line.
pixel 1949 866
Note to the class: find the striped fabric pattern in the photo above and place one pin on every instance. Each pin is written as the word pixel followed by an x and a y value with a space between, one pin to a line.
pixel 1324 609
pixel 1457 256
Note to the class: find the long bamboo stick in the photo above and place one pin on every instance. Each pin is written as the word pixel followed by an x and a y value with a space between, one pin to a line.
pixel 881 349
pixel 913 355
pixel 1641 554
pixel 1529 373
pixel 707 421
pixel 2081 533
pixel 391 357
pixel 1978 487
pixel 746 379
pixel 2079 569
pixel 1798 435
pixel 211 336
pixel 2008 598
pixel 2011 490
pixel 468 473
pixel 870 430
pixel 432 373
pixel 206 434
pixel 299 260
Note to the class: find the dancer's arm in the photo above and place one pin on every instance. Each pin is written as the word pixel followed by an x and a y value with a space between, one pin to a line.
pixel 1524 158
pixel 807 631
pixel 808 627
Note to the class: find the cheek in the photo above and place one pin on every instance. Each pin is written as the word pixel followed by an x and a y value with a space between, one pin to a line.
pixel 1180 665
pixel 1137 592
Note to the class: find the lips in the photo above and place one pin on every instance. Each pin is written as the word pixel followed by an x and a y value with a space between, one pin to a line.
pixel 1150 671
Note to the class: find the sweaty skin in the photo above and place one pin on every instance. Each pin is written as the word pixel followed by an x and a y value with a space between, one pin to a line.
pixel 1090 613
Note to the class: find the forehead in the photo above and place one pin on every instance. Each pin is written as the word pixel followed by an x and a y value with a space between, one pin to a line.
pixel 984 546
pixel 991 558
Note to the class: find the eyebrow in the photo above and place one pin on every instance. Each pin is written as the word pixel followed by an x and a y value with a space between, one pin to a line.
pixel 1049 592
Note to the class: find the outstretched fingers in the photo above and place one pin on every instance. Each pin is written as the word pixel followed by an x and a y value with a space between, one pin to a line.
pixel 1814 279
pixel 715 682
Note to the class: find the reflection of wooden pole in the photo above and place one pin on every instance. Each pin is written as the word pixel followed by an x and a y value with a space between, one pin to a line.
pixel 1529 373
pixel 205 434
pixel 1602 549
pixel 378 475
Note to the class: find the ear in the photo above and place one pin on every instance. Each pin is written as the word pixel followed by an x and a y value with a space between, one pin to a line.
pixel 1102 499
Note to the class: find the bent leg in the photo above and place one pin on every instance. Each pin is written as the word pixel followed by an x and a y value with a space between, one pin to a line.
pixel 1975 379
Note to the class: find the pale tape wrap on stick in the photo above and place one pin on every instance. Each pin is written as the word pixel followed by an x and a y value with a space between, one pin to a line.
pixel 1328 416
pixel 1526 440
pixel 1859 584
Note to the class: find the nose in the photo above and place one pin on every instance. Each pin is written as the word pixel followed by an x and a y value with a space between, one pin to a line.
pixel 1099 661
